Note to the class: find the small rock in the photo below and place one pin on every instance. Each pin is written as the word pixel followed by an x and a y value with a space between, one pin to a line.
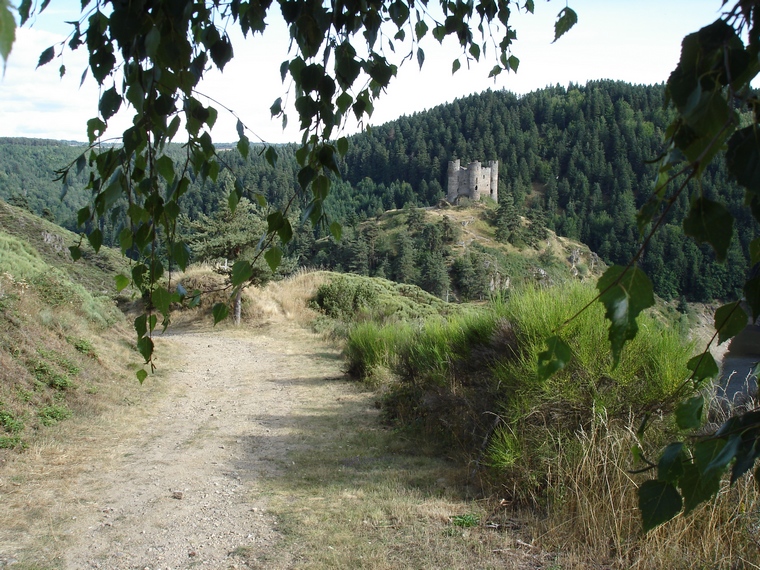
pixel 177 494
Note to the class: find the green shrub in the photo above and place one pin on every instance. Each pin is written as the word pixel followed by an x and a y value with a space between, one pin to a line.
pixel 9 423
pixel 10 441
pixel 44 373
pixel 354 298
pixel 53 413
pixel 471 379
pixel 370 348
pixel 342 298
pixel 83 346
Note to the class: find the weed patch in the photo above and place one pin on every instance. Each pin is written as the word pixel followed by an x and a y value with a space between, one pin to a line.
pixel 53 413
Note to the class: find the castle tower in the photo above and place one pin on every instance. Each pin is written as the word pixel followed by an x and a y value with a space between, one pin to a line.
pixel 452 184
pixel 473 188
pixel 494 165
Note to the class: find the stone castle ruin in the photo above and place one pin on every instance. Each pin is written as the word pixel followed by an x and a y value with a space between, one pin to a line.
pixel 473 181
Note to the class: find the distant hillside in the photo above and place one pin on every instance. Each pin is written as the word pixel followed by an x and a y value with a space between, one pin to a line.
pixel 579 157
pixel 453 252
pixel 54 355
pixel 582 154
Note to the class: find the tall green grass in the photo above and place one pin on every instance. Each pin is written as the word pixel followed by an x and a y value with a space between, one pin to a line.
pixel 21 261
pixel 471 378
pixel 651 367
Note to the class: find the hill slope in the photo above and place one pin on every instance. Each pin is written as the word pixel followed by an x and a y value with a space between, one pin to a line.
pixel 54 313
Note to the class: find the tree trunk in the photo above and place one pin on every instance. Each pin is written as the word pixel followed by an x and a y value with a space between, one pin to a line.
pixel 238 304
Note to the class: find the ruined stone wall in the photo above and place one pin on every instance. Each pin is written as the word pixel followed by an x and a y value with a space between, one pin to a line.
pixel 474 181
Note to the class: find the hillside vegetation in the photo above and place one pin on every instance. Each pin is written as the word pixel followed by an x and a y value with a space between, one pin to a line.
pixel 453 252
pixel 463 380
pixel 577 157
pixel 55 358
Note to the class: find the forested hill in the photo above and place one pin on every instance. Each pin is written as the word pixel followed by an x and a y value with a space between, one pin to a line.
pixel 583 154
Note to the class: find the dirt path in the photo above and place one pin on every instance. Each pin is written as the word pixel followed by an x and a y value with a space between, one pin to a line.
pixel 183 491
pixel 247 450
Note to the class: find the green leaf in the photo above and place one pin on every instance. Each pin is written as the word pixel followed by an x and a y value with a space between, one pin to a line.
pixel 220 312
pixel 710 222
pixel 659 501
pixel 76 253
pixel 110 102
pixel 46 56
pixel 221 52
pixel 241 272
pixel 343 102
pixel 95 128
pixel 743 158
pixel 306 175
pixel 566 19
pixel 455 66
pixel 624 294
pixel 724 456
pixel 399 12
pixel 696 487
pixel 8 28
pixel 95 238
pixel 141 375
pixel 122 282
pixel 336 230
pixel 286 231
pixel 746 455
pixel 689 413
pixel 514 63
pixel 243 146
pixel 145 347
pixel 752 296
pixel 554 359
pixel 141 325
pixel 273 257
pixel 152 41
pixel 420 29
pixel 83 215
pixel 181 254
pixel 730 320
pixel 342 145
pixel 195 299
pixel 275 221
pixel 420 57
pixel 326 157
pixel 165 168
pixel 754 251
pixel 161 299
pixel 276 107
pixel 703 366
pixel 670 465
pixel 232 200
pixel 439 32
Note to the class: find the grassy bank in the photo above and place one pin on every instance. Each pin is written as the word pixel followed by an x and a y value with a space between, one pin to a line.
pixel 556 451
pixel 55 360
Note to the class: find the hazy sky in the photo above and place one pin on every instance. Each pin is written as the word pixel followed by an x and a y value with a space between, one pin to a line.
pixel 635 40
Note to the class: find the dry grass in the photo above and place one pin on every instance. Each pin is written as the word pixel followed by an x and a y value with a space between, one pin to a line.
pixel 355 495
pixel 276 301
pixel 592 519
pixel 286 299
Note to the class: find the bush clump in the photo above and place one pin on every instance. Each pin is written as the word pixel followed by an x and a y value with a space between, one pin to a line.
pixel 471 378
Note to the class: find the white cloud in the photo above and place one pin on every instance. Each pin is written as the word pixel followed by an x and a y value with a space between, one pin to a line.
pixel 636 42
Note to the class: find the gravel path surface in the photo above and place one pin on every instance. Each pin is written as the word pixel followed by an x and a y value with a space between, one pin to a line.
pixel 184 494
